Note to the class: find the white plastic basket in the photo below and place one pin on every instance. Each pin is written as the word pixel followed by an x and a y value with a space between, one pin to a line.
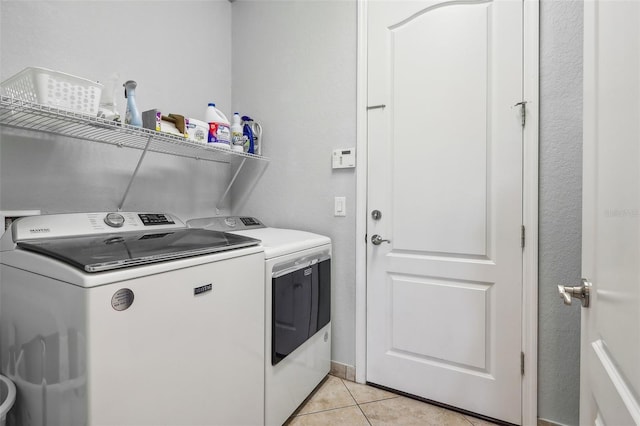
pixel 7 397
pixel 54 88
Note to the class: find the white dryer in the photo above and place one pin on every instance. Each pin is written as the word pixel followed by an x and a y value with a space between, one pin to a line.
pixel 297 310
pixel 131 319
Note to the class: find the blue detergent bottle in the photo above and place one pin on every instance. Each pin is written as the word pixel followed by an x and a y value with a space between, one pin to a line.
pixel 248 132
pixel 132 115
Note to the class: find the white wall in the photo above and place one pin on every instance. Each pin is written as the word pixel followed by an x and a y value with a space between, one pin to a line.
pixel 294 70
pixel 178 52
pixel 560 208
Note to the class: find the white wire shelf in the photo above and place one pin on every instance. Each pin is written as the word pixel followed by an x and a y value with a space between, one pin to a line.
pixel 24 115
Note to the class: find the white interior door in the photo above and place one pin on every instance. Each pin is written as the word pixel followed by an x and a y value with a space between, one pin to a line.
pixel 444 294
pixel 610 352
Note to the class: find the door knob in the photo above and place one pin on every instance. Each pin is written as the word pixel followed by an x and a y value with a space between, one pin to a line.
pixel 377 240
pixel 581 292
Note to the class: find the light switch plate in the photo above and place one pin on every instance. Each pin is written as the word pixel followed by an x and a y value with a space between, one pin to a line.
pixel 340 206
pixel 344 158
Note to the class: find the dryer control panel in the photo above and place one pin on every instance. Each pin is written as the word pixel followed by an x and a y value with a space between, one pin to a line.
pixel 226 223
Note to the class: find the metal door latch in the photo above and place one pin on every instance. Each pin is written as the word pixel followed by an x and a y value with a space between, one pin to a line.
pixel 581 292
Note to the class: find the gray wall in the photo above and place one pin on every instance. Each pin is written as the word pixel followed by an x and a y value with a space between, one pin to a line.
pixel 560 221
pixel 294 70
pixel 154 43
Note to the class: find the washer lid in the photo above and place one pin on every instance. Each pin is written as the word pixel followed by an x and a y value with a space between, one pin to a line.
pixel 105 252
pixel 279 242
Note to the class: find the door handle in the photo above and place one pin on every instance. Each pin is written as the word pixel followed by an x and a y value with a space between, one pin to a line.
pixel 377 240
pixel 582 292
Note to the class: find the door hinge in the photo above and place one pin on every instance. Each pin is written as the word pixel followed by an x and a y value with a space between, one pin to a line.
pixel 522 236
pixel 522 363
pixel 523 111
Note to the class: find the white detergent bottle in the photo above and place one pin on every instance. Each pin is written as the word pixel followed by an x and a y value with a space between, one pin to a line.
pixel 219 129
pixel 237 137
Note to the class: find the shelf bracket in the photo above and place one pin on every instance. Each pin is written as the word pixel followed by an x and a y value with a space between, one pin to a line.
pixel 233 179
pixel 135 172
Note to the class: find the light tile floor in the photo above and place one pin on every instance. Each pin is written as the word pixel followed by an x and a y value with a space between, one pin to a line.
pixel 341 402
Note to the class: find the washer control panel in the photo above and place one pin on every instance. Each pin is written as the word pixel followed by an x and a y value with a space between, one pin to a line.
pixel 155 219
pixel 114 220
pixel 74 224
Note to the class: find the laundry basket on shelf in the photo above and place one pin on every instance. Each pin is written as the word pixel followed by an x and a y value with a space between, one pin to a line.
pixel 54 89
pixel 7 397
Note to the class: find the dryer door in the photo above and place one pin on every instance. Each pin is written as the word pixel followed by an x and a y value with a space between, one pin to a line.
pixel 301 305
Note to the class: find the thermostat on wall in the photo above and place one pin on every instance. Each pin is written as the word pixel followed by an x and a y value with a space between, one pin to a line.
pixel 8 216
pixel 344 158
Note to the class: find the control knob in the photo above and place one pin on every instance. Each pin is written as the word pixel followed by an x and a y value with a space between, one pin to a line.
pixel 114 220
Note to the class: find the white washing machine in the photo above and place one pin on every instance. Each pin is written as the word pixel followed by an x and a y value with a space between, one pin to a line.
pixel 131 319
pixel 297 310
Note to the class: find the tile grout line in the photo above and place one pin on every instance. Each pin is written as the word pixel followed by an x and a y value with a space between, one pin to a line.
pixel 393 397
pixel 356 401
pixel 368 402
pixel 365 416
pixel 348 391
pixel 381 399
pixel 350 394
pixel 324 411
pixel 467 419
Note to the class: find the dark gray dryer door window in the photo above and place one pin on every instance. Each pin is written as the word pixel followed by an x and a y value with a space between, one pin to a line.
pixel 301 305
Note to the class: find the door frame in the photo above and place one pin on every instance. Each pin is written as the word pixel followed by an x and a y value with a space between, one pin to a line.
pixel 530 94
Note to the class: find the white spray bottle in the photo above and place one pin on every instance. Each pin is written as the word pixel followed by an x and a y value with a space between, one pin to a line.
pixel 132 115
